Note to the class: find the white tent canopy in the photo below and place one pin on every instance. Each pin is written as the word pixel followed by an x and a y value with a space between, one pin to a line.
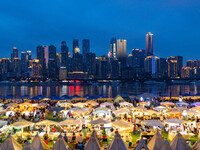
pixel 69 122
pixel 153 122
pixel 60 144
pixel 11 144
pixel 174 120
pixel 160 108
pixel 117 143
pixel 92 143
pixel 39 144
pixel 178 143
pixel 166 146
pixel 122 124
pixel 156 142
pixel 99 121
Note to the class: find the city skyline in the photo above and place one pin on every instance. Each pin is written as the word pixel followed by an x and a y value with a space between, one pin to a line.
pixel 175 28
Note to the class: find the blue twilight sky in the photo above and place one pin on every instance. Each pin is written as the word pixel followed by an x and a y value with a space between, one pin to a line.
pixel 174 23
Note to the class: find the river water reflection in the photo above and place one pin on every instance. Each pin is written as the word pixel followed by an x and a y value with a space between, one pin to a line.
pixel 107 90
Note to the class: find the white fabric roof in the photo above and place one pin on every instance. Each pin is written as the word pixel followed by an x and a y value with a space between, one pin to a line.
pixel 153 122
pixel 174 120
pixel 99 121
pixel 117 143
pixel 156 142
pixel 178 143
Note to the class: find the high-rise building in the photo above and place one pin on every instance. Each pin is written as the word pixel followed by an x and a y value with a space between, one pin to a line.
pixel 189 63
pixel 152 64
pixel 196 63
pixel 64 54
pixel 52 63
pixel 149 44
pixel 187 72
pixel 6 65
pixel 77 63
pixel 91 64
pixel 179 64
pixel 16 67
pixel 163 67
pixel 121 48
pixel 42 60
pixel 121 52
pixel 14 53
pixel 113 48
pixel 36 69
pixel 23 62
pixel 103 67
pixel 85 48
pixel 172 67
pixel 114 69
pixel 46 56
pixel 75 45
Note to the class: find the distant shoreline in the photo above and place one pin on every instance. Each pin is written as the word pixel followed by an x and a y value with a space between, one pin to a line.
pixel 94 82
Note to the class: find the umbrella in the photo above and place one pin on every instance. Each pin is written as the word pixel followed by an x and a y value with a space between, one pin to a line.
pixel 76 96
pixel 151 95
pixel 65 97
pixel 35 98
pixel 26 96
pixel 9 97
pixel 1 96
pixel 101 96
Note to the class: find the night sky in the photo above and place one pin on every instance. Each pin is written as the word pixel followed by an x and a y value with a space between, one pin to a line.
pixel 174 23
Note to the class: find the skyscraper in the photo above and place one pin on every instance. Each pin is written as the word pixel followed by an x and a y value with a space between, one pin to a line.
pixel 41 58
pixel 91 64
pixel 85 48
pixel 64 54
pixel 172 67
pixel 75 45
pixel 52 62
pixel 15 53
pixel 23 62
pixel 113 48
pixel 149 44
pixel 46 56
pixel 121 51
pixel 179 64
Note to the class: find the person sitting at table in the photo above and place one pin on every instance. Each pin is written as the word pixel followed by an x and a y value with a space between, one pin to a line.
pixel 46 138
pixel 65 138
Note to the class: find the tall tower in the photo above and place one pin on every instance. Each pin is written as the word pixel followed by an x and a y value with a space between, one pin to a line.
pixel 52 62
pixel 149 44
pixel 41 58
pixel 75 45
pixel 121 48
pixel 85 48
pixel 113 48
pixel 64 54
